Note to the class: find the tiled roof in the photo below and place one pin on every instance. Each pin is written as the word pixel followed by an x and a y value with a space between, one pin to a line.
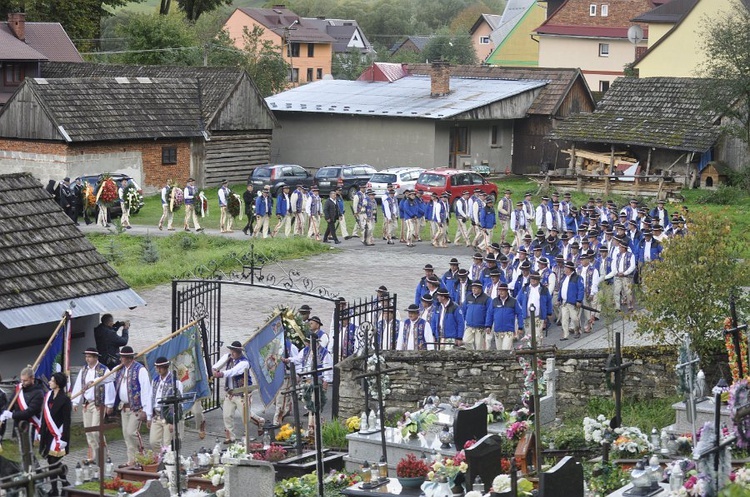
pixel 51 39
pixel 419 41
pixel 573 18
pixel 384 71
pixel 341 30
pixel 278 19
pixel 653 112
pixel 11 48
pixel 97 109
pixel 549 98
pixel 669 13
pixel 43 257
pixel 216 83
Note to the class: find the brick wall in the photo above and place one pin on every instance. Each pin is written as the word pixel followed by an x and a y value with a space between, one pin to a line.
pixel 620 12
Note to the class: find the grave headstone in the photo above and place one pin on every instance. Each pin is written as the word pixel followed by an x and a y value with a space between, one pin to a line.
pixel 152 488
pixel 564 478
pixel 548 403
pixel 484 459
pixel 469 424
pixel 245 475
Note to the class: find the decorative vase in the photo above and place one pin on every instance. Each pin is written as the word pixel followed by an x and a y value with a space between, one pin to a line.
pixel 415 482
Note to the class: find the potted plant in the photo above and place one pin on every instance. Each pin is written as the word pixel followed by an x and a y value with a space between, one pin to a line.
pixel 147 461
pixel 411 472
pixel 416 422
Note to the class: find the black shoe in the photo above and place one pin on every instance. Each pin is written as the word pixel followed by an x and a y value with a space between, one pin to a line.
pixel 347 238
pixel 337 242
pixel 199 229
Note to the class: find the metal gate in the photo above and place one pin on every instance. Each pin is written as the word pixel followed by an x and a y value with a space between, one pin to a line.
pixel 198 293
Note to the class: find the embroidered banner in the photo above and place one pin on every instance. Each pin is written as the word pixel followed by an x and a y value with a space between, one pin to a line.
pixel 265 350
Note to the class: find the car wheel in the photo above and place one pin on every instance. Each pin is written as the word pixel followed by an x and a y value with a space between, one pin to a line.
pixel 350 194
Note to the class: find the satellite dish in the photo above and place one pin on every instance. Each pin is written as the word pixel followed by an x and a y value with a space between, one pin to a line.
pixel 635 34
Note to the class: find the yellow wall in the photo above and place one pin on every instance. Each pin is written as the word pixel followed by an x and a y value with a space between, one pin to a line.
pixel 656 32
pixel 681 54
pixel 560 51
pixel 482 50
pixel 518 48
pixel 321 59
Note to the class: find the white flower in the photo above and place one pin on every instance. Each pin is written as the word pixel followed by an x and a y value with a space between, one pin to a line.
pixel 473 493
pixel 501 484
pixel 216 480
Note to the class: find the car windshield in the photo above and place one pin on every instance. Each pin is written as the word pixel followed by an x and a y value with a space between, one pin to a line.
pixel 262 172
pixel 383 178
pixel 431 179
pixel 331 172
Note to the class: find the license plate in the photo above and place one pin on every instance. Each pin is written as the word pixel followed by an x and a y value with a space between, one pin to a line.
pixel 324 183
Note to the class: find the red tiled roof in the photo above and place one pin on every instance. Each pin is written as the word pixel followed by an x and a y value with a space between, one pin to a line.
pixel 277 20
pixel 586 31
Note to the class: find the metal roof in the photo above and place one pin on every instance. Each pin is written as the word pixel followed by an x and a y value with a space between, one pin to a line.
pixel 406 97
pixel 50 312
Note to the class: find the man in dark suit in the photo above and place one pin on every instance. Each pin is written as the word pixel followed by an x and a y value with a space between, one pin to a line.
pixel 331 214
pixel 29 403
pixel 108 342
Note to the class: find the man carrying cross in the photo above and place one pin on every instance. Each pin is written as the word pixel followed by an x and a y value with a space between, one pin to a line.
pixel 92 398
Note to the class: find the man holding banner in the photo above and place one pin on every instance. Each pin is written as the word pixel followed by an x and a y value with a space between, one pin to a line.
pixel 235 364
pixel 163 386
pixel 29 405
pixel 133 396
pixel 92 398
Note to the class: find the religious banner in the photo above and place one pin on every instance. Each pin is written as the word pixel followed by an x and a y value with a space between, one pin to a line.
pixel 265 350
pixel 56 358
pixel 185 351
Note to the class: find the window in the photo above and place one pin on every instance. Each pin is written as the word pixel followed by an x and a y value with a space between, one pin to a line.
pixel 484 40
pixel 603 49
pixel 462 140
pixel 311 50
pixel 168 155
pixel 592 9
pixel 299 172
pixel 476 179
pixel 309 74
pixel 294 75
pixel 603 86
pixel 494 135
pixel 319 73
pixel 292 50
pixel 604 10
pixel 13 74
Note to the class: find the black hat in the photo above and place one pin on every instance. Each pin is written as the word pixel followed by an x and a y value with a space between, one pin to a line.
pixel 382 288
pixel 463 272
pixel 236 345
pixel 495 272
pixel 555 229
pixel 527 236
pixel 523 250
pixel 633 201
pixel 466 192
pixel 657 227
pixel 127 351
pixel 476 283
pixel 559 257
pixel 489 257
pixel 575 245
pixel 564 237
pixel 428 267
pixel 503 259
pixel 502 286
pixel 623 241
pixel 566 194
pixel 443 292
pixel 633 222
pixel 603 248
pixel 527 194
pixel 570 265
pixel 495 245
pixel 526 264
pixel 584 255
pixel 507 191
pixel 161 361
pixel 453 261
pixel 433 279
pixel 535 276
pixel 426 297
pixel 539 232
pixel 593 234
pixel 316 319
pixel 648 232
pixel 224 182
pixel 477 255
pixel 537 247
pixel 555 194
pixel 91 351
pixel 412 308
pixel 305 308
pixel 543 260
pixel 520 202
pixel 66 179
pixel 505 245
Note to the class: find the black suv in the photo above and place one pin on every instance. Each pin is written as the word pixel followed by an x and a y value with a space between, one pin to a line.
pixel 278 175
pixel 346 177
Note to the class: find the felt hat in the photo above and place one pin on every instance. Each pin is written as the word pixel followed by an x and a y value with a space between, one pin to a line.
pixel 428 267
pixel 316 319
pixel 443 292
pixel 412 308
pixel 91 351
pixel 535 276
pixel 236 345
pixel 161 361
pixel 127 351
pixel 426 297
pixel 305 308
pixel 453 261
pixel 570 265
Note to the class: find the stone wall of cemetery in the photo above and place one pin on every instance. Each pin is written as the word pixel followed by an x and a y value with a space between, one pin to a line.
pixel 475 374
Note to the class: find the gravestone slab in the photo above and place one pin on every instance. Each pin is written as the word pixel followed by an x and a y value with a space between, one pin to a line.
pixel 469 424
pixel 564 478
pixel 152 488
pixel 484 459
pixel 548 403
pixel 249 477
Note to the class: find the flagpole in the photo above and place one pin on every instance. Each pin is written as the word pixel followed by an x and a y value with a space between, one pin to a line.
pixel 44 351
pixel 142 353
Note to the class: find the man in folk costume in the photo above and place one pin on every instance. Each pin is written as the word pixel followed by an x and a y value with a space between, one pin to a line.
pixel 475 314
pixel 235 365
pixel 313 209
pixel 387 328
pixel 124 204
pixel 163 386
pixel 283 402
pixel 539 296
pixel 461 211
pixel 448 321
pixel 504 316
pixel 263 206
pixel 304 361
pixel 414 333
pixel 504 210
pixel 133 397
pixel 349 341
pixel 390 212
pixel 487 223
pixel 283 212
pixel 358 209
pixel 519 224
pixel 189 194
pixel 621 273
pixel 92 399
pixel 428 307
pixel 342 212
pixel 590 276
pixel 570 299
pixel 166 207
pixel 225 219
pixel 55 432
pixel 29 404
pixel 297 204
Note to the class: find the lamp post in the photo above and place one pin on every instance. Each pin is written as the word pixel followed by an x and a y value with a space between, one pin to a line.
pixel 287 42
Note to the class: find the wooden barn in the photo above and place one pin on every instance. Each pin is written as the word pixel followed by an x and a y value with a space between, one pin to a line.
pixel 231 126
pixel 46 267
pixel 714 175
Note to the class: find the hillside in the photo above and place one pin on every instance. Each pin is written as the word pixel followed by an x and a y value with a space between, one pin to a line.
pixel 149 6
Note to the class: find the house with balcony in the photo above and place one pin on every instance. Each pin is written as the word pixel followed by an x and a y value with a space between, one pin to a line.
pixel 306 49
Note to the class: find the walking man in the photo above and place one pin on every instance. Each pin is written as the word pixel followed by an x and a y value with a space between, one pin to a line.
pixel 331 214
pixel 189 195
pixel 108 342
pixel 248 196
pixel 161 428
pixel 283 212
pixel 133 396
pixel 503 315
pixel 263 205
pixel 225 219
pixel 122 192
pixel 570 299
pixel 93 399
pixel 166 206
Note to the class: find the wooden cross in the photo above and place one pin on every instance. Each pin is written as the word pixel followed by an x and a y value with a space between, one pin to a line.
pixel 100 428
pixel 735 332
pixel 616 366
pixel 533 351
pixel 686 369
pixel 247 391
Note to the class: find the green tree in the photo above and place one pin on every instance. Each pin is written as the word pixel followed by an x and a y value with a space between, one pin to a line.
pixel 726 42
pixel 465 19
pixel 689 290
pixel 153 39
pixel 264 63
pixel 193 9
pixel 349 65
pixel 456 49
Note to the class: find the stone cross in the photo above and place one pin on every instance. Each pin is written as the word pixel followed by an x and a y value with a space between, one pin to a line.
pixel 100 429
pixel 685 369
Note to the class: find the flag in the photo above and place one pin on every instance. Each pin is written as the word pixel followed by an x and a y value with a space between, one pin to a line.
pixel 185 351
pixel 265 351
pixel 55 360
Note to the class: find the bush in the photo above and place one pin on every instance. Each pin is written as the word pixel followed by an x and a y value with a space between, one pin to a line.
pixel 724 195
pixel 334 433
pixel 741 178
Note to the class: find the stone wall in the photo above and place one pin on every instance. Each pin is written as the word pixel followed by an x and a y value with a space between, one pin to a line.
pixel 475 374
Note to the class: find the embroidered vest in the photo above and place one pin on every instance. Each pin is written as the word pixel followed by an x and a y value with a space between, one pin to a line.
pixel 99 371
pixel 347 348
pixel 307 360
pixel 298 203
pixel 588 279
pixel 132 384
pixel 237 381
pixel 544 277
pixel 558 279
pixel 476 271
pixel 315 206
pixel 167 411
pixel 520 219
pixel 418 328
pixel 191 191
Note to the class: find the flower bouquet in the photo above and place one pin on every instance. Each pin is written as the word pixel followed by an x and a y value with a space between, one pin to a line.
pixel 285 433
pixel 352 423
pixel 631 441
pixel 417 422
pixel 107 193
pixel 495 409
pixel 131 197
pixel 201 206
pixel 411 471
pixel 516 430
pixel 89 199
pixel 501 485
pixel 237 451
pixel 338 480
pixel 177 198
pixel 233 204
pixel 216 475
pixel 274 453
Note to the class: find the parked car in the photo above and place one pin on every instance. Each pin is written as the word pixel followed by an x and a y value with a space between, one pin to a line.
pixel 453 181
pixel 116 209
pixel 402 178
pixel 277 175
pixel 348 177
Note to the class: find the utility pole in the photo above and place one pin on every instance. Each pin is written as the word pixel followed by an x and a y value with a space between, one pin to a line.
pixel 289 52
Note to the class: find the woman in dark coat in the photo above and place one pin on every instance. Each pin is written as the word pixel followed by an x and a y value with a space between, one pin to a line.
pixel 55 432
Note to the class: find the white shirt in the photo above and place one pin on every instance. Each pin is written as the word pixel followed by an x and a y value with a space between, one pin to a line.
pixel 534 298
pixel 594 281
pixel 89 393
pixel 619 266
pixel 306 365
pixel 161 386
pixel 411 343
pixel 647 251
pixel 564 288
pixel 164 196
pixel 223 196
pixel 143 379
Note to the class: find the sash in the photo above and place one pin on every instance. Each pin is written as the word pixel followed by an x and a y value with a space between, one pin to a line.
pixel 55 447
pixel 24 405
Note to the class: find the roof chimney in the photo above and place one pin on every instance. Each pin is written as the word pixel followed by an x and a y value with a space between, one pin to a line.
pixel 440 78
pixel 17 24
